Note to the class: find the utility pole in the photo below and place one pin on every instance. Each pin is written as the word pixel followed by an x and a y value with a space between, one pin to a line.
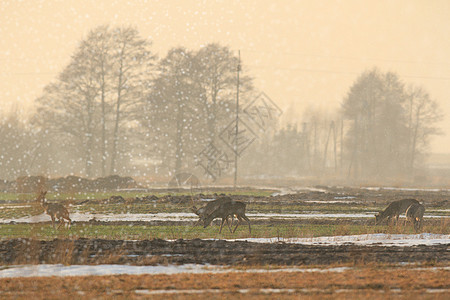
pixel 342 144
pixel 238 69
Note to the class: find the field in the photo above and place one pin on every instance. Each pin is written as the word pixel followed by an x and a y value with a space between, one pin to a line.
pixel 315 242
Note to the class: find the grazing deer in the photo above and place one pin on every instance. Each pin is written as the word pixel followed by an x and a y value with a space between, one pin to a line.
pixel 414 214
pixel 228 209
pixel 204 211
pixel 54 210
pixel 394 210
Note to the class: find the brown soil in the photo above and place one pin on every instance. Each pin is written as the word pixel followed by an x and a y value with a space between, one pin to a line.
pixel 217 252
pixel 376 282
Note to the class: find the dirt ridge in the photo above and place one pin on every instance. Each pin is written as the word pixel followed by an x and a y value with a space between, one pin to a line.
pixel 216 252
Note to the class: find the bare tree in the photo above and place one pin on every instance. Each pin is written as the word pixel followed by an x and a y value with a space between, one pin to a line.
pixel 94 98
pixel 171 114
pixel 423 114
pixel 215 75
pixel 133 63
pixel 192 99
pixel 16 147
pixel 100 43
pixel 68 107
pixel 376 139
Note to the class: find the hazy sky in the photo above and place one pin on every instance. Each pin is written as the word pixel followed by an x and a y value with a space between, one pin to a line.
pixel 301 53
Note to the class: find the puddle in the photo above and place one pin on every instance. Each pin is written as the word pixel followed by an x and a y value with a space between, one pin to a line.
pixel 295 190
pixel 404 189
pixel 86 217
pixel 333 201
pixel 46 270
pixel 435 291
pixel 363 239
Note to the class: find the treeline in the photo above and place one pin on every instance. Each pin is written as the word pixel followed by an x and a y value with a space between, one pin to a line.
pixel 381 132
pixel 116 108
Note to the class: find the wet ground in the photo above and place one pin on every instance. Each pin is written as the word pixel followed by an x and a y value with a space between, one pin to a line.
pixel 294 205
pixel 369 278
pixel 216 252
pixel 221 252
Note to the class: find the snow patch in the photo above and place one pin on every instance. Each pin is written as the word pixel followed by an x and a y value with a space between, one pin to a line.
pixel 404 189
pixel 332 201
pixel 295 190
pixel 364 239
pixel 128 217
pixel 45 270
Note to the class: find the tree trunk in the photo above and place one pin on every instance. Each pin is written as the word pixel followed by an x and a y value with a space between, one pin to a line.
pixel 90 140
pixel 179 140
pixel 414 140
pixel 117 120
pixel 410 133
pixel 103 120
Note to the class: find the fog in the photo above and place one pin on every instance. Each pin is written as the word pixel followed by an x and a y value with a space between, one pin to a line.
pixel 231 93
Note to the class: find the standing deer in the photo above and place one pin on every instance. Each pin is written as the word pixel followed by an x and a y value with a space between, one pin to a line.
pixel 226 209
pixel 414 214
pixel 394 210
pixel 54 210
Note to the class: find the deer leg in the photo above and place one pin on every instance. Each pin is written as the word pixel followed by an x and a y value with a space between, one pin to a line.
pixel 61 222
pixel 248 222
pixel 198 221
pixel 53 221
pixel 391 220
pixel 221 224
pixel 240 218
pixel 229 226
pixel 226 220
pixel 419 225
pixel 238 222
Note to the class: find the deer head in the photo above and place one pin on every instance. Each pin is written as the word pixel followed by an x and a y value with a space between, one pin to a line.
pixel 41 196
pixel 377 217
pixel 198 211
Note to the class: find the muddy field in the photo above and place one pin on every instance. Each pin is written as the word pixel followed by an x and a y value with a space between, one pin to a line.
pixel 215 252
pixel 95 251
pixel 377 271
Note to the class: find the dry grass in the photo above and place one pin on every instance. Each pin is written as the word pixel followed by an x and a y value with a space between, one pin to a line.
pixel 29 251
pixel 375 282
pixel 444 227
pixel 63 252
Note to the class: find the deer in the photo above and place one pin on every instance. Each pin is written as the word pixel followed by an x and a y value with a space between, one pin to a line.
pixel 414 214
pixel 226 209
pixel 54 210
pixel 204 211
pixel 394 210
